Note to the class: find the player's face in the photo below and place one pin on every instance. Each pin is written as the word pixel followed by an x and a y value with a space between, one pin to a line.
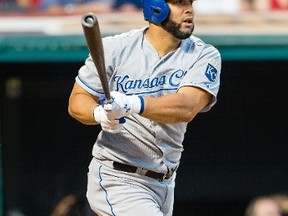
pixel 180 21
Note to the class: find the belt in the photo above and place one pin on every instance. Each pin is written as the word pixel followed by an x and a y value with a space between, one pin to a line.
pixel 149 173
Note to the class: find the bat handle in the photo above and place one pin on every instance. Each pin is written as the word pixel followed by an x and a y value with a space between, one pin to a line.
pixel 108 106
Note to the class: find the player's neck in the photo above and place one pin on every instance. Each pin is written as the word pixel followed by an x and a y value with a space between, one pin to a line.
pixel 161 40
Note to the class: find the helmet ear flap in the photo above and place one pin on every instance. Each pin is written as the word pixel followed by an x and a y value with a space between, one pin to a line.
pixel 155 11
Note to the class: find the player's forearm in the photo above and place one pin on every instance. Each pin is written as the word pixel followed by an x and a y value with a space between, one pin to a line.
pixel 172 108
pixel 81 108
pixel 182 106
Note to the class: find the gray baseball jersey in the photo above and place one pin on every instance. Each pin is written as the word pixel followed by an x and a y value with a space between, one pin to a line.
pixel 134 67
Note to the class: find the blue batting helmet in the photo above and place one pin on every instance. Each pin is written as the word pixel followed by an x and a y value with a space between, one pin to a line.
pixel 155 11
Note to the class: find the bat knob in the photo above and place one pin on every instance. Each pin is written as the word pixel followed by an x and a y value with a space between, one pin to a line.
pixel 89 19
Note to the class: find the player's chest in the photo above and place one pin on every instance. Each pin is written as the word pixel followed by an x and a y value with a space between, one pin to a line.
pixel 157 77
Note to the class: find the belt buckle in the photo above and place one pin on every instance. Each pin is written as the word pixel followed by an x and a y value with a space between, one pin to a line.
pixel 167 176
pixel 170 173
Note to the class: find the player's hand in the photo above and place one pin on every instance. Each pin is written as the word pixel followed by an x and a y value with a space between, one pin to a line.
pixel 124 105
pixel 109 125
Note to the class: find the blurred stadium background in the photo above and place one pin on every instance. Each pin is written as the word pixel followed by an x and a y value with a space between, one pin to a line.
pixel 232 154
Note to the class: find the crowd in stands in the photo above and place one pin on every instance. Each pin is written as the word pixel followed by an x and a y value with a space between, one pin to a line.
pixel 60 7
pixel 236 6
pixel 83 6
pixel 266 5
pixel 103 6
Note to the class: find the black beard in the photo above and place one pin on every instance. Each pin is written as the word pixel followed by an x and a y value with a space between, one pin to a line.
pixel 174 29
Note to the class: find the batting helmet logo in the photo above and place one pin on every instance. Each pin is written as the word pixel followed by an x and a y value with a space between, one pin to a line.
pixel 155 11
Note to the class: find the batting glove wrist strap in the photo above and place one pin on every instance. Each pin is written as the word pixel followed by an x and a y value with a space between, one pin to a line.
pixel 137 104
pixel 97 114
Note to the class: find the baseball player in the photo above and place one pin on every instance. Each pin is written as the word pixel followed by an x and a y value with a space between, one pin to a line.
pixel 160 77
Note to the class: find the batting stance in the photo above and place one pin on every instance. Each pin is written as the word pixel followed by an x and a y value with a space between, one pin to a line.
pixel 160 78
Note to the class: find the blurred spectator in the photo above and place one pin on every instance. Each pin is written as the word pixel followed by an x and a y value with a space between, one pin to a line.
pixel 55 7
pixel 18 5
pixel 14 212
pixel 282 200
pixel 127 5
pixel 247 5
pixel 279 4
pixel 270 5
pixel 70 205
pixel 263 206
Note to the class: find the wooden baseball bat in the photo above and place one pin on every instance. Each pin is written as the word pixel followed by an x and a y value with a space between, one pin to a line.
pixel 93 38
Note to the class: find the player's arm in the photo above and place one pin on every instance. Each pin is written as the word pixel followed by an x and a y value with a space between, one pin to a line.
pixel 182 106
pixel 81 105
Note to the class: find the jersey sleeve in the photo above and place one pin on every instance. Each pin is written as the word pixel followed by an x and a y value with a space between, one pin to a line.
pixel 88 77
pixel 205 74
